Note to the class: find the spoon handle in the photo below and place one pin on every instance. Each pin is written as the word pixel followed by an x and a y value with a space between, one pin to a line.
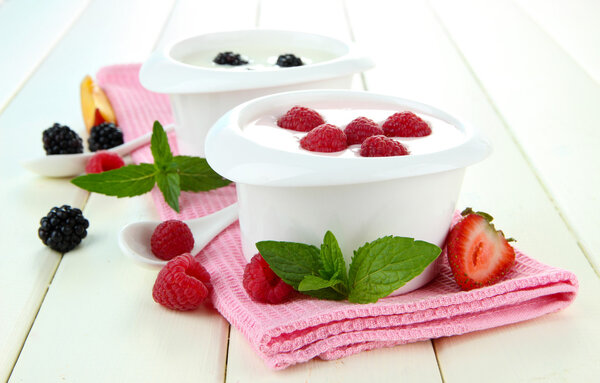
pixel 136 143
pixel 219 221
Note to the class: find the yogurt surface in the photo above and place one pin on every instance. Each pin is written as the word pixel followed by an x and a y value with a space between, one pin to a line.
pixel 264 131
pixel 258 59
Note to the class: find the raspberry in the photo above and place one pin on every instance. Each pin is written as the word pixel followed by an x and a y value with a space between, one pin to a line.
pixel 104 136
pixel 301 119
pixel 324 138
pixel 63 228
pixel 405 124
pixel 262 284
pixel 60 139
pixel 229 58
pixel 289 60
pixel 103 161
pixel 360 128
pixel 183 284
pixel 170 239
pixel 382 146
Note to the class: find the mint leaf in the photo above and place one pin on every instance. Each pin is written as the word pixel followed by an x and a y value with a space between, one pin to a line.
pixel 168 183
pixel 321 288
pixel 332 259
pixel 172 174
pixel 196 175
pixel 127 181
pixel 159 145
pixel 312 282
pixel 386 264
pixel 290 261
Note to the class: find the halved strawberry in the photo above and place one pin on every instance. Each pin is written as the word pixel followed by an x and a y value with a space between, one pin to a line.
pixel 478 254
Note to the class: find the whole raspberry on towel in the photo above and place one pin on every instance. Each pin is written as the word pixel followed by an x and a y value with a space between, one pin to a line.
pixel 262 284
pixel 183 284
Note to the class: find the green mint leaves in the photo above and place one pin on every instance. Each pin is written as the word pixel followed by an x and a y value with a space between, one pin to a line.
pixel 377 269
pixel 386 264
pixel 171 173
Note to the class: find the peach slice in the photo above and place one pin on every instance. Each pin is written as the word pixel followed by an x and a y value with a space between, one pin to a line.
pixel 95 106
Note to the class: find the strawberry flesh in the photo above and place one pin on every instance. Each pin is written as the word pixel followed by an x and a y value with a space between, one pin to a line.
pixel 478 254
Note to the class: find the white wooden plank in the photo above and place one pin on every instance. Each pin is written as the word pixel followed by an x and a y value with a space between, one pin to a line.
pixel 312 16
pixel 22 46
pixel 99 323
pixel 547 100
pixel 51 95
pixel 191 18
pixel 402 363
pixel 131 337
pixel 412 362
pixel 26 266
pixel 573 24
pixel 416 60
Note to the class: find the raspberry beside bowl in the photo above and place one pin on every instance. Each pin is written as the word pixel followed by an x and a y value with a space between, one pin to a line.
pixel 290 194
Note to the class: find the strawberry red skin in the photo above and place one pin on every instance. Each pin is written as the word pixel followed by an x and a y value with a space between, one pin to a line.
pixel 478 255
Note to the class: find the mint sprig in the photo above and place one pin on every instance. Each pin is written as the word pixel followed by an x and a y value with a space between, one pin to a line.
pixel 171 173
pixel 377 269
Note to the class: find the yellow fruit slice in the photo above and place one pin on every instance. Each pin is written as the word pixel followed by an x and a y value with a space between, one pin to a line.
pixel 95 106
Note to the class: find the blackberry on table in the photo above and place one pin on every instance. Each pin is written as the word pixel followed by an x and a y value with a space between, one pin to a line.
pixel 63 228
pixel 229 58
pixel 60 139
pixel 289 60
pixel 104 136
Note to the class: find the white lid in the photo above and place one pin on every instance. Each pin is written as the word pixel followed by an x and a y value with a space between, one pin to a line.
pixel 235 156
pixel 166 71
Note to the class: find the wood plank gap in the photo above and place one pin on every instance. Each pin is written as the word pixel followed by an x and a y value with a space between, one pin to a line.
pixel 558 44
pixel 437 359
pixel 227 353
pixel 43 59
pixel 363 79
pixel 37 311
pixel 518 145
pixel 257 16
pixel 84 201
pixel 165 24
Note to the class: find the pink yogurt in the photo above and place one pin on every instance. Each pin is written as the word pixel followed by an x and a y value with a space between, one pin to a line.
pixel 264 130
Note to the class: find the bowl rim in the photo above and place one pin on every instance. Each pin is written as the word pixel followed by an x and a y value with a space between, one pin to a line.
pixel 238 158
pixel 162 73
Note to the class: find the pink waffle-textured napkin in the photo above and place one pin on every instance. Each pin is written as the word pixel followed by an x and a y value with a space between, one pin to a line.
pixel 305 328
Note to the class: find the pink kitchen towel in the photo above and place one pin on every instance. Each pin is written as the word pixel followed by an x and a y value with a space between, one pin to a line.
pixel 305 328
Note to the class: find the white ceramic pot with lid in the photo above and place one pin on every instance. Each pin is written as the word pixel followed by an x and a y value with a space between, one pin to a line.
pixel 287 193
pixel 201 91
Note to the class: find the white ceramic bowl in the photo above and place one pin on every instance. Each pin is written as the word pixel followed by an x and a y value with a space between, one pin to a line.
pixel 200 91
pixel 297 195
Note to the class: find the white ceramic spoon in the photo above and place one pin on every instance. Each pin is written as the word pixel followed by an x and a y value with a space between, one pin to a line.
pixel 134 239
pixel 68 165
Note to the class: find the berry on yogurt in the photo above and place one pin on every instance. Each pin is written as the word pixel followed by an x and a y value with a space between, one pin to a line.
pixel 301 119
pixel 360 129
pixel 324 138
pixel 405 124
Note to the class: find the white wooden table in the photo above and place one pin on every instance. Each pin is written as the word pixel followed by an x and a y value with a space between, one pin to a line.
pixel 526 72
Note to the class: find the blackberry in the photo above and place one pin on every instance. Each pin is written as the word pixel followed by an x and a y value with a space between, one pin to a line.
pixel 229 58
pixel 289 60
pixel 104 136
pixel 60 139
pixel 63 228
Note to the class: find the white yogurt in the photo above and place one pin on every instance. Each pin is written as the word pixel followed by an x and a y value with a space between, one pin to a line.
pixel 258 59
